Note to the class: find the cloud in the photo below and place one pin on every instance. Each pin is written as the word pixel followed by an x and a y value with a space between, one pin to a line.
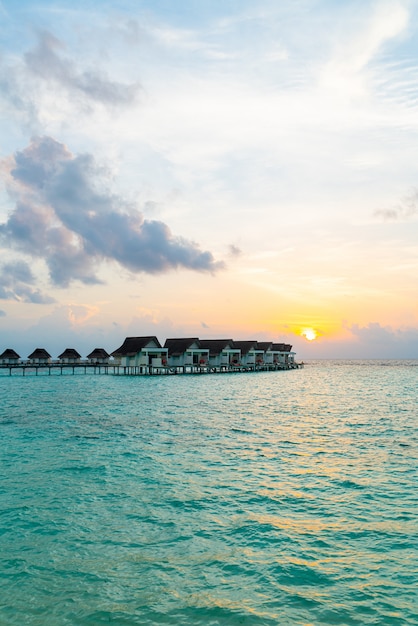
pixel 360 45
pixel 234 251
pixel 16 280
pixel 375 333
pixel 371 341
pixel 65 215
pixel 385 342
pixel 2 313
pixel 46 63
pixel 407 208
pixel 46 85
pixel 58 330
pixel 79 314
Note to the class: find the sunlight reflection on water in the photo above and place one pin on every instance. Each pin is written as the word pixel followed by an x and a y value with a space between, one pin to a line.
pixel 266 498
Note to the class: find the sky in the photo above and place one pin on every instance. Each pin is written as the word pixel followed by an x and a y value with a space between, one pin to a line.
pixel 215 169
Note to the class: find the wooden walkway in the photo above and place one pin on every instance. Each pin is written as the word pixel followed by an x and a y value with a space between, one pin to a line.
pixel 55 369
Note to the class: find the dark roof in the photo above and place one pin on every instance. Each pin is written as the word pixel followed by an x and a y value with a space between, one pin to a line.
pixel 69 353
pixel 216 345
pixel 265 345
pixel 98 353
pixel 9 353
pixel 179 346
pixel 246 346
pixel 133 345
pixel 281 347
pixel 39 353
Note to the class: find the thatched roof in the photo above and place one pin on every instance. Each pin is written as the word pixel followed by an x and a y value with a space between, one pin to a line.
pixel 265 345
pixel 9 353
pixel 133 345
pixel 176 347
pixel 39 353
pixel 98 353
pixel 246 346
pixel 281 347
pixel 216 345
pixel 70 353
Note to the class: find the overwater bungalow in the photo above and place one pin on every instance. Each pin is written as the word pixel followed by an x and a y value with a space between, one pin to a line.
pixel 98 356
pixel 141 351
pixel 290 355
pixel 146 356
pixel 265 346
pixel 222 352
pixel 251 353
pixel 70 356
pixel 39 357
pixel 282 354
pixel 9 357
pixel 186 352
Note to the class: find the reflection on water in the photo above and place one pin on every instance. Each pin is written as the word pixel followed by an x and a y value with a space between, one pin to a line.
pixel 270 498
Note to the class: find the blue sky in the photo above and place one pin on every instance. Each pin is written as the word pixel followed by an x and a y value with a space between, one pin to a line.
pixel 210 169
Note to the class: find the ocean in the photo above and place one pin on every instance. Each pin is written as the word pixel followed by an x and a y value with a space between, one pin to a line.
pixel 276 498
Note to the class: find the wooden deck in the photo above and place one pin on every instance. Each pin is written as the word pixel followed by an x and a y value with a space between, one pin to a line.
pixel 54 369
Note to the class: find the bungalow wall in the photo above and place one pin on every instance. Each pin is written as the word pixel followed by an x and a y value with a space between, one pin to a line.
pixel 101 360
pixel 268 357
pixel 10 361
pixel 40 360
pixel 253 357
pixel 70 360
pixel 192 356
pixel 155 357
pixel 226 358
pixel 276 357
pixel 283 358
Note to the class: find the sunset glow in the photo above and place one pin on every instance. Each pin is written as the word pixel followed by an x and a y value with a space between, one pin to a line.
pixel 309 334
pixel 224 170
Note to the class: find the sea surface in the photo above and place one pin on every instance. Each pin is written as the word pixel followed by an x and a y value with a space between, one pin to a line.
pixel 286 498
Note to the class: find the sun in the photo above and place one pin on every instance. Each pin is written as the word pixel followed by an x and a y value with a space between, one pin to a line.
pixel 309 334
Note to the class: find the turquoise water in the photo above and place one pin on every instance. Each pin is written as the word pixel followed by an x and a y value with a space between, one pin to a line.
pixel 255 499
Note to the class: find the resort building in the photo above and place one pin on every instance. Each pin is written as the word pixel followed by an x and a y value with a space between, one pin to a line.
pixel 222 352
pixel 99 356
pixel 251 353
pixel 268 357
pixel 9 357
pixel 40 357
pixel 282 354
pixel 146 356
pixel 70 356
pixel 186 352
pixel 290 355
pixel 141 351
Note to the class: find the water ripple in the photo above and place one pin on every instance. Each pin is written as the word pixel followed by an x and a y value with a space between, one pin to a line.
pixel 285 498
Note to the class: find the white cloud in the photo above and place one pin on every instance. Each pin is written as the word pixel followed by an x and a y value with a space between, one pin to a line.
pixel 344 74
pixel 254 125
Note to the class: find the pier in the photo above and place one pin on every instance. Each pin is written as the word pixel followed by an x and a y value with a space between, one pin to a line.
pixel 114 369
